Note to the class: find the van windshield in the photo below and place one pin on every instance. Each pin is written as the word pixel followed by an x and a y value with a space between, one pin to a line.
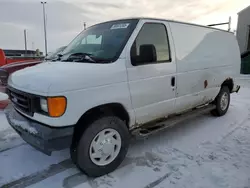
pixel 103 42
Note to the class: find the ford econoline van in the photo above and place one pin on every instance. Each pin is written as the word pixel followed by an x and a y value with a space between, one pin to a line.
pixel 122 78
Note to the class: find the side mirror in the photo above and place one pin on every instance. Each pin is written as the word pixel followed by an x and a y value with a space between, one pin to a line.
pixel 147 55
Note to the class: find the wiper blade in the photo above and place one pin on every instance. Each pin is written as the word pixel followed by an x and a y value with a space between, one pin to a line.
pixel 58 58
pixel 79 57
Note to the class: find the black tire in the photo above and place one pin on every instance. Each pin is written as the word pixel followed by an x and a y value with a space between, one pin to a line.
pixel 220 111
pixel 75 140
pixel 82 157
pixel 73 153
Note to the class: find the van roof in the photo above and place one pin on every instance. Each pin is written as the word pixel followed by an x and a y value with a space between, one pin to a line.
pixel 161 19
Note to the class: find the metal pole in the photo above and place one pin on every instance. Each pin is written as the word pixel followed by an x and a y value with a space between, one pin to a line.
pixel 225 23
pixel 84 24
pixel 44 26
pixel 33 46
pixel 25 41
pixel 218 24
pixel 229 23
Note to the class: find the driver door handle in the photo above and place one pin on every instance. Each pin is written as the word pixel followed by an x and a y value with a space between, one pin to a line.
pixel 173 81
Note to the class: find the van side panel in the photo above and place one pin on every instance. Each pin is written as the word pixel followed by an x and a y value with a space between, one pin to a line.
pixel 205 58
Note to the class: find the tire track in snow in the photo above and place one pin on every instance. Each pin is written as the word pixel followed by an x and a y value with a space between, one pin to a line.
pixel 9 139
pixel 158 181
pixel 173 170
pixel 238 127
pixel 39 176
pixel 6 132
pixel 12 147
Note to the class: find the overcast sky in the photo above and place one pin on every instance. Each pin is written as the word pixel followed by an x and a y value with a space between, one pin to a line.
pixel 65 18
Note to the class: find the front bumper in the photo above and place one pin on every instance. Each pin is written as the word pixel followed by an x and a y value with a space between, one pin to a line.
pixel 44 138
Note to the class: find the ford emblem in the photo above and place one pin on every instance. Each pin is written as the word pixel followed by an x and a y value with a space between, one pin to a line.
pixel 14 100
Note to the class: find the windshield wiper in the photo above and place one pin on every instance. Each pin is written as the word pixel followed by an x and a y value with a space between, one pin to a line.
pixel 80 57
pixel 58 58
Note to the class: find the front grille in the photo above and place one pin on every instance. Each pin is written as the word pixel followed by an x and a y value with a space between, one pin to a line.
pixel 22 101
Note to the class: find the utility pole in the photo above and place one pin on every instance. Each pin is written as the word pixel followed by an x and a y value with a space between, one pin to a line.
pixel 33 45
pixel 44 26
pixel 229 23
pixel 25 41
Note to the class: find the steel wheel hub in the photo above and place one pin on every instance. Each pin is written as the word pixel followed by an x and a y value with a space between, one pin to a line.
pixel 105 147
pixel 224 101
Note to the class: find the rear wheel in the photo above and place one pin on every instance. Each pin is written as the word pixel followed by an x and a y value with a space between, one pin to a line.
pixel 222 102
pixel 103 146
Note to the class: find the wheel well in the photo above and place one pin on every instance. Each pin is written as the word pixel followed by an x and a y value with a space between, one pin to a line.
pixel 229 83
pixel 114 109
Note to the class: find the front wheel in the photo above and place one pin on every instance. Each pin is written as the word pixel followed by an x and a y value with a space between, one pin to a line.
pixel 222 102
pixel 103 146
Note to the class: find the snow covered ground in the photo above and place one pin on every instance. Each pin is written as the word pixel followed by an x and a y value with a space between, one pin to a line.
pixel 3 96
pixel 205 152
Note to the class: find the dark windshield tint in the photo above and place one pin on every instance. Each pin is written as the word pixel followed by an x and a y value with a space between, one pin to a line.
pixel 103 41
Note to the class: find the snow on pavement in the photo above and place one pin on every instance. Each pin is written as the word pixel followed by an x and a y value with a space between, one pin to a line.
pixel 19 121
pixel 3 122
pixel 3 100
pixel 3 96
pixel 203 152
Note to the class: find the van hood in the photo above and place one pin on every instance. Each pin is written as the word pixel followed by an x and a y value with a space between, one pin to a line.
pixel 50 78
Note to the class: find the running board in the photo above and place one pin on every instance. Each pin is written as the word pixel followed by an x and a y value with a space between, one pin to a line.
pixel 148 129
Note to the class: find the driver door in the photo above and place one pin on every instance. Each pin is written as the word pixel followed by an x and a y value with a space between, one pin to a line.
pixel 151 71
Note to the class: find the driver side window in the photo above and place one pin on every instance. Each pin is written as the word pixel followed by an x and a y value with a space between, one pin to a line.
pixel 151 45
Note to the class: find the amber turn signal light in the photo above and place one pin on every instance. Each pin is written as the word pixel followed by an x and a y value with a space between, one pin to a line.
pixel 56 106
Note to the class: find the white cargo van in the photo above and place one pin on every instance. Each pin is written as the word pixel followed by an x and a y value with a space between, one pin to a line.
pixel 122 78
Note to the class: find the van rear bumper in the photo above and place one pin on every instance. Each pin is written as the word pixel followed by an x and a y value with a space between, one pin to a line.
pixel 42 137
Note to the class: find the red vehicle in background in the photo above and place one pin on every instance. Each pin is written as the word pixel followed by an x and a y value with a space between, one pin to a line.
pixel 11 61
pixel 14 56
pixel 6 70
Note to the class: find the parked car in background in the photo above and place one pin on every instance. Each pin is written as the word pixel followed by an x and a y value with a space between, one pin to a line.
pixel 8 69
pixel 19 56
pixel 13 60
pixel 122 78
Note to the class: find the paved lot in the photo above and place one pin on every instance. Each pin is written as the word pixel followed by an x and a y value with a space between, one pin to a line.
pixel 205 152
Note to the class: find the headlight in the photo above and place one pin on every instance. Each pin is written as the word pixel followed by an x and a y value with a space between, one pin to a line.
pixel 44 105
